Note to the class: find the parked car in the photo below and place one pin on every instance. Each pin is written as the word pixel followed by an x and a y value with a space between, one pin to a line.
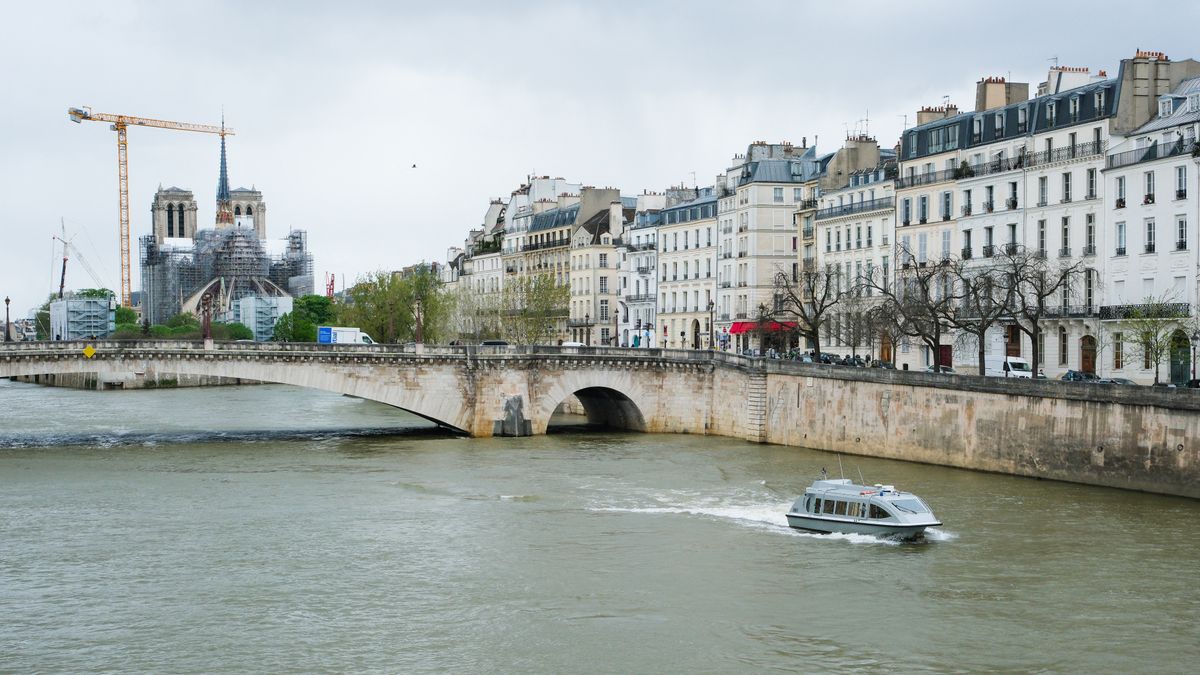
pixel 1007 366
pixel 1121 380
pixel 945 370
pixel 1079 376
pixel 887 365
pixel 494 343
pixel 572 344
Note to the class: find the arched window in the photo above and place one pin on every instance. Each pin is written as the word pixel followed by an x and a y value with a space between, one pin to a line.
pixel 237 210
pixel 170 220
pixel 179 219
pixel 249 211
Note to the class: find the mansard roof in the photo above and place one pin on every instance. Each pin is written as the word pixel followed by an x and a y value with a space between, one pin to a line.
pixel 554 218
pixel 1181 112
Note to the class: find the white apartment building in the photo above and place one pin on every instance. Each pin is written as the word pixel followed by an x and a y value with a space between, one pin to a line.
pixel 854 230
pixel 756 199
pixel 1151 253
pixel 639 272
pixel 595 277
pixel 688 259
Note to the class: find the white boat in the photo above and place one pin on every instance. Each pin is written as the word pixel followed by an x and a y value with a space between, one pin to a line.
pixel 838 505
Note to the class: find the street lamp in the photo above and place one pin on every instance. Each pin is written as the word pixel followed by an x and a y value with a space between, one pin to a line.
pixel 7 334
pixel 712 309
pixel 587 329
pixel 1195 339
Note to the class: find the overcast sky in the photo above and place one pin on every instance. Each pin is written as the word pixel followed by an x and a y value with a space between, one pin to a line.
pixel 334 102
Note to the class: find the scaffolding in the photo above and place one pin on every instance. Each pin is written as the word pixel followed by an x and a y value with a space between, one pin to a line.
pixel 230 263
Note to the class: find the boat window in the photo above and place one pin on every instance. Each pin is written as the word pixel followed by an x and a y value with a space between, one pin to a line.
pixel 910 505
pixel 828 506
pixel 808 504
pixel 858 510
pixel 841 508
pixel 879 512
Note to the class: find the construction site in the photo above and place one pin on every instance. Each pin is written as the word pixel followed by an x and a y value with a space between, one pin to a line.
pixel 247 278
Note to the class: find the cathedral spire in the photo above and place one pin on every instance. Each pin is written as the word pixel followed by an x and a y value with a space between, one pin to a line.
pixel 224 211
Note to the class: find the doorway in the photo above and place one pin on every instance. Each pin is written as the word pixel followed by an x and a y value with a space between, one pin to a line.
pixel 1012 341
pixel 1087 354
pixel 1181 357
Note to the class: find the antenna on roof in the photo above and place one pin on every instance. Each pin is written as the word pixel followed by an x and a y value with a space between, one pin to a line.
pixel 1054 59
pixel 946 100
pixel 905 116
pixel 867 123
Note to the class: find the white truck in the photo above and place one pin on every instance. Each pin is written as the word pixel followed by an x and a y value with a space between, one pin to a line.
pixel 339 335
pixel 1007 366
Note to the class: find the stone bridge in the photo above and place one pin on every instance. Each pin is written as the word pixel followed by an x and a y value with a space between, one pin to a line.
pixel 1144 438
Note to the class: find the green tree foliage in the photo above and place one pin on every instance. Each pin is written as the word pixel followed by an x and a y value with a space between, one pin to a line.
pixel 126 315
pixel 182 320
pixel 386 306
pixel 1150 327
pixel 300 324
pixel 94 293
pixel 532 306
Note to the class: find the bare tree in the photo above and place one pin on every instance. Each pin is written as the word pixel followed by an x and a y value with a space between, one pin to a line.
pixel 809 299
pixel 1033 281
pixel 984 299
pixel 1151 327
pixel 921 299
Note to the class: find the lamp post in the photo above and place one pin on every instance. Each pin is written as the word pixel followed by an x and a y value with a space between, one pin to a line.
pixel 587 329
pixel 1195 338
pixel 712 314
pixel 7 334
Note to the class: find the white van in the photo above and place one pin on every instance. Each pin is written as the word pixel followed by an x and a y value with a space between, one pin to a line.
pixel 1007 366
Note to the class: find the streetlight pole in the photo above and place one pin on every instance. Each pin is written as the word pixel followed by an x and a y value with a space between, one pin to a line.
pixel 712 309
pixel 587 329
pixel 7 334
pixel 1195 338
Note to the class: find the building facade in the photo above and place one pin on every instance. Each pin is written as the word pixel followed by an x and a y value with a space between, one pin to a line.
pixel 687 258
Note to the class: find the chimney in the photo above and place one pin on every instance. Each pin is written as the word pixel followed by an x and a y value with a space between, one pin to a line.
pixel 995 92
pixel 938 112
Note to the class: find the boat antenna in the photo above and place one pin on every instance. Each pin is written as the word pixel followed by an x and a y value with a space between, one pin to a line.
pixel 861 481
pixel 840 469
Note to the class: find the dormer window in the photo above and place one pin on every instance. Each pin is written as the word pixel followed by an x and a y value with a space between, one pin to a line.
pixel 999 124
pixel 1099 102
pixel 1074 108
pixel 1164 107
pixel 1193 102
pixel 1050 111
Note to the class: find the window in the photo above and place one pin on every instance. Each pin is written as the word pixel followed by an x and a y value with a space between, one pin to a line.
pixel 1091 183
pixel 1041 237
pixel 977 128
pixel 1022 118
pixel 838 245
pixel 857 237
pixel 603 284
pixel 1074 108
pixel 923 208
pixel 1050 110
pixel 1043 190
pixel 1066 237
pixel 603 260
pixel 1120 238
pixel 1181 233
pixel 1099 102
pixel 1149 180
pixel 878 512
pixel 828 241
pixel 946 205
pixel 1012 234
pixel 603 309
pixel 1120 191
pixel 922 247
pixel 1066 186
pixel 999 125
pixel 1062 346
pixel 778 195
pixel 1180 182
pixel 1089 236
pixel 1118 350
pixel 870 229
pixel 1149 235
pixel 945 244
pixel 1164 107
pixel 906 211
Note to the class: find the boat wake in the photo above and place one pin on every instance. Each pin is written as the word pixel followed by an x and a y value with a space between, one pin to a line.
pixel 110 439
pixel 761 511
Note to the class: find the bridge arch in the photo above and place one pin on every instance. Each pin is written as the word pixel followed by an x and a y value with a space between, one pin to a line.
pixel 612 400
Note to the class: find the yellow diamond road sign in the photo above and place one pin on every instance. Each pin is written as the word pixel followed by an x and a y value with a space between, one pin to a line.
pixel 89 351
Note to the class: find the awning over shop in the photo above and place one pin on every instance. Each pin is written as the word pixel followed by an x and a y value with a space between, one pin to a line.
pixel 769 326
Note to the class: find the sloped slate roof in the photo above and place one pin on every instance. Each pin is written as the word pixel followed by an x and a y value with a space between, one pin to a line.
pixel 1181 114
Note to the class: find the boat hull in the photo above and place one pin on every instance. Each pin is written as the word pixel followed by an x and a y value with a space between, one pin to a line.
pixel 802 521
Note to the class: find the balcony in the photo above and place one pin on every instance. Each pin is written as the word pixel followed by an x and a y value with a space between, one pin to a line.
pixel 923 220
pixel 1148 199
pixel 726 284
pixel 1011 203
pixel 1064 252
pixel 1089 250
pixel 1152 152
pixel 1181 245
pixel 1077 151
pixel 1150 247
pixel 989 251
pixel 806 204
pixel 966 253
pixel 644 297
pixel 1120 203
pixel 645 270
pixel 581 323
pixel 859 207
pixel 1070 311
pixel 1010 248
pixel 1176 310
pixel 1181 194
pixel 989 206
pixel 927 178
pixel 966 210
pixel 1120 251
pixel 741 254
pixel 808 233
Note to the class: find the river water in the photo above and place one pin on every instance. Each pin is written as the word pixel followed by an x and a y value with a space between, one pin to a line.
pixel 271 529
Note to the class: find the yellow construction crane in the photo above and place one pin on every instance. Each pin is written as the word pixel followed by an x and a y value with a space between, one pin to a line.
pixel 119 124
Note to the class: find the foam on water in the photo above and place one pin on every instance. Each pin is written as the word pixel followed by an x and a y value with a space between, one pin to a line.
pixel 742 510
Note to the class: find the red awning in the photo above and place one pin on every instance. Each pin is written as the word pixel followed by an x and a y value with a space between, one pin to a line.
pixel 770 326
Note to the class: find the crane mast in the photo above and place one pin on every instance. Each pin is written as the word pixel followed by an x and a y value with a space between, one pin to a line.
pixel 120 124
